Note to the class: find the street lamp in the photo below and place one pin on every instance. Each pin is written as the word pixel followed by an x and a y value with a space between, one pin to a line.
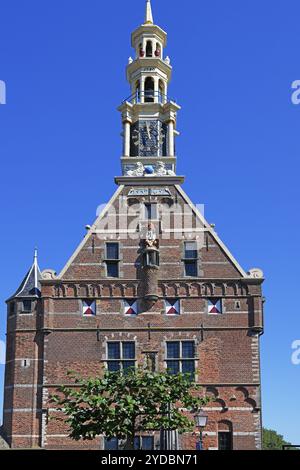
pixel 201 421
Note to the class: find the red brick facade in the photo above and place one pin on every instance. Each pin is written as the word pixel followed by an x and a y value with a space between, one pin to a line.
pixel 56 337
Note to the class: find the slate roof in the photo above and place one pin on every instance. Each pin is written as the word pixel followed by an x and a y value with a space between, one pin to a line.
pixel 30 286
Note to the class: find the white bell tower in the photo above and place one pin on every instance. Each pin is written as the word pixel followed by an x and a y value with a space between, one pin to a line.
pixel 148 115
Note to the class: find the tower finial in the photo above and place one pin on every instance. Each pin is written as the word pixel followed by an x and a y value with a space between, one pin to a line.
pixel 35 262
pixel 149 16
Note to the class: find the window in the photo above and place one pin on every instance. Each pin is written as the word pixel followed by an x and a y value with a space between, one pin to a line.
pixel 181 358
pixel 25 363
pixel 149 49
pixel 161 90
pixel 112 250
pixel 88 308
pixel 150 211
pixel 111 444
pixel 130 307
pixel 140 443
pixel 112 269
pixel 214 306
pixel 225 440
pixel 158 50
pixel 190 259
pixel 172 306
pixel 150 361
pixel 27 306
pixel 12 308
pixel 151 258
pixel 144 443
pixel 112 259
pixel 137 91
pixel 141 50
pixel 149 90
pixel 120 355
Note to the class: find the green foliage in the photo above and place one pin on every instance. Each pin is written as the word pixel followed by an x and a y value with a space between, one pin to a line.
pixel 272 440
pixel 121 404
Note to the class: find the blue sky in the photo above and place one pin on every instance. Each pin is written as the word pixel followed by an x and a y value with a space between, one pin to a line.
pixel 64 61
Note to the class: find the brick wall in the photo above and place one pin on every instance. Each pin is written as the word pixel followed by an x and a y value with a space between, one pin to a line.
pixel 56 337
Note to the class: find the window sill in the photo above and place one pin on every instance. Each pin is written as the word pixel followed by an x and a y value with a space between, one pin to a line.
pixel 111 260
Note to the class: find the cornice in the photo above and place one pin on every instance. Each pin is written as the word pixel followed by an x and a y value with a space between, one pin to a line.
pixel 149 180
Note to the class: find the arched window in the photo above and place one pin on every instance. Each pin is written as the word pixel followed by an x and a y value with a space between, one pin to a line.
pixel 161 91
pixel 149 49
pixel 137 92
pixel 225 435
pixel 151 258
pixel 141 50
pixel 149 90
pixel 158 50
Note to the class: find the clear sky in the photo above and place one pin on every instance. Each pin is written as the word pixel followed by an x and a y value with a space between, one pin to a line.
pixel 63 62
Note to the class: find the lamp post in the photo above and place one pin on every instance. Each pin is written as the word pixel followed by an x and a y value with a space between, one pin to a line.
pixel 201 421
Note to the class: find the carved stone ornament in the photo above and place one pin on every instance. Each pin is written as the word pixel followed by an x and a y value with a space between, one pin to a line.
pixel 159 169
pixel 151 237
pixel 48 274
pixel 256 273
pixel 138 171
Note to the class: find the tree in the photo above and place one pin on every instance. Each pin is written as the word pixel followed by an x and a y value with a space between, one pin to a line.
pixel 120 404
pixel 272 440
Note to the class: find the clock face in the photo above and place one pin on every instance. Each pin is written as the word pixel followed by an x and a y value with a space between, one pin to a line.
pixel 148 138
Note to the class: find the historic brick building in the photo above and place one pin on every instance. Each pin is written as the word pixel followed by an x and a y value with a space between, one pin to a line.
pixel 151 283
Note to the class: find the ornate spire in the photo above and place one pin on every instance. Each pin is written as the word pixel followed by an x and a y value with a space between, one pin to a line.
pixel 149 16
pixel 30 286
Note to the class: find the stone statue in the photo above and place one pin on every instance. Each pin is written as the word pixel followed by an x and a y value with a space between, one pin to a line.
pixel 161 170
pixel 151 237
pixel 138 171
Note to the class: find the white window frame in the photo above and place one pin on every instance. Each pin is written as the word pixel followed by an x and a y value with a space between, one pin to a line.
pixel 180 359
pixel 121 360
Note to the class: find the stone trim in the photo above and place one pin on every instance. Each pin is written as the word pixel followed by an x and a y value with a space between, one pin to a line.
pixel 149 180
pixel 230 408
pixel 22 410
pixel 193 287
pixel 153 328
